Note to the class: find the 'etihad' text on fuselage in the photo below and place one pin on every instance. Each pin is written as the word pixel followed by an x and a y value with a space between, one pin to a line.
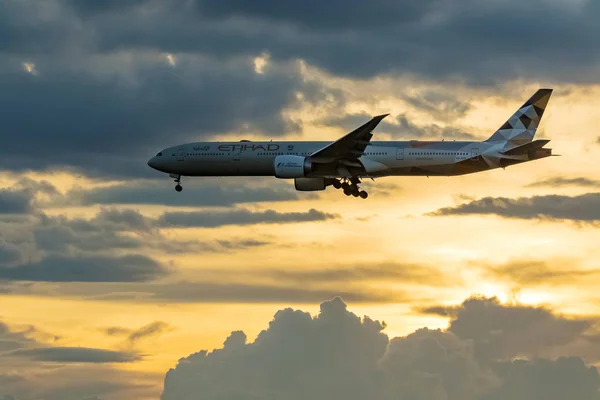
pixel 248 147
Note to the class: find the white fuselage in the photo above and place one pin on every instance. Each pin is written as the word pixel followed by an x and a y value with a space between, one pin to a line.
pixel 247 158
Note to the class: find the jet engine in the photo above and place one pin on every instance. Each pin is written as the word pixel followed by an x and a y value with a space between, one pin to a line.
pixel 288 166
pixel 309 184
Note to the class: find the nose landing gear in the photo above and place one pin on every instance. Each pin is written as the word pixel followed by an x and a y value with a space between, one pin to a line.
pixel 178 187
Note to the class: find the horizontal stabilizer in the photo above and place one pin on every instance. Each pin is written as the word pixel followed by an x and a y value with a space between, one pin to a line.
pixel 526 148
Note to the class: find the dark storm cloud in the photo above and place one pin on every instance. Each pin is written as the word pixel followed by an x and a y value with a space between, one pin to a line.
pixel 75 355
pixel 347 357
pixel 313 14
pixel 581 208
pixel 464 40
pixel 113 124
pixel 559 181
pixel 15 201
pixel 9 253
pixel 130 268
pixel 211 219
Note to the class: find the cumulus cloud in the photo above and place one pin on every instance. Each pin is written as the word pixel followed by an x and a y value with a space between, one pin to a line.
pixel 580 208
pixel 344 356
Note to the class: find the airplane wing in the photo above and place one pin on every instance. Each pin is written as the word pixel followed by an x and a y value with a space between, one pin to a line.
pixel 349 148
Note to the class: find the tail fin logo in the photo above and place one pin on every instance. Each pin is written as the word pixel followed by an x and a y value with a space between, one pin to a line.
pixel 522 126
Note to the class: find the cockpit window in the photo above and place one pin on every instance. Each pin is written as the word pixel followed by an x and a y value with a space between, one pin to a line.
pixel 159 154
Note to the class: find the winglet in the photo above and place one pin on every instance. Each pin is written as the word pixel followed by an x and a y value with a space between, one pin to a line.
pixel 380 117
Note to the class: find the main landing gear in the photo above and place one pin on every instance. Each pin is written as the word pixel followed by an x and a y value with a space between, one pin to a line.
pixel 350 187
pixel 178 187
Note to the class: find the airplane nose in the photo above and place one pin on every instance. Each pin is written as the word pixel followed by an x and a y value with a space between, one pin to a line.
pixel 152 162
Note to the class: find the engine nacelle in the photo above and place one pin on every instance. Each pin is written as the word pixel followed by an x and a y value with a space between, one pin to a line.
pixel 309 184
pixel 287 167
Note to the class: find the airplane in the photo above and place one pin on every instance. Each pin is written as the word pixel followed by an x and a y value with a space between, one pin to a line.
pixel 316 165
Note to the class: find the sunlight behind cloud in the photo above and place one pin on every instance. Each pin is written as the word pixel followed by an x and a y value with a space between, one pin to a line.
pixel 261 62
pixel 30 68
pixel 171 59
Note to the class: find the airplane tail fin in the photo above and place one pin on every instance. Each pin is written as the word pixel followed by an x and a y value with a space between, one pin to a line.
pixel 521 127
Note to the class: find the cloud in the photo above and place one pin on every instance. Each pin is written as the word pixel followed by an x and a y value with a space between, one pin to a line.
pixel 414 274
pixel 223 292
pixel 213 219
pixel 36 369
pixel 152 329
pixel 15 202
pixel 9 253
pixel 580 208
pixel 500 332
pixel 559 181
pixel 400 128
pixel 128 103
pixel 74 355
pixel 76 381
pixel 142 109
pixel 130 268
pixel 532 272
pixel 111 246
pixel 208 192
pixel 430 39
pixel 12 340
pixel 344 356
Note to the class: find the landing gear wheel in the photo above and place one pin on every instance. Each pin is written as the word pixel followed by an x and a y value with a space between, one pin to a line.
pixel 363 194
pixel 337 184
pixel 179 188
pixel 347 192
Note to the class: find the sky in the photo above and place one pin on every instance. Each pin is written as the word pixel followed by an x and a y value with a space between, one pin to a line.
pixel 113 286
